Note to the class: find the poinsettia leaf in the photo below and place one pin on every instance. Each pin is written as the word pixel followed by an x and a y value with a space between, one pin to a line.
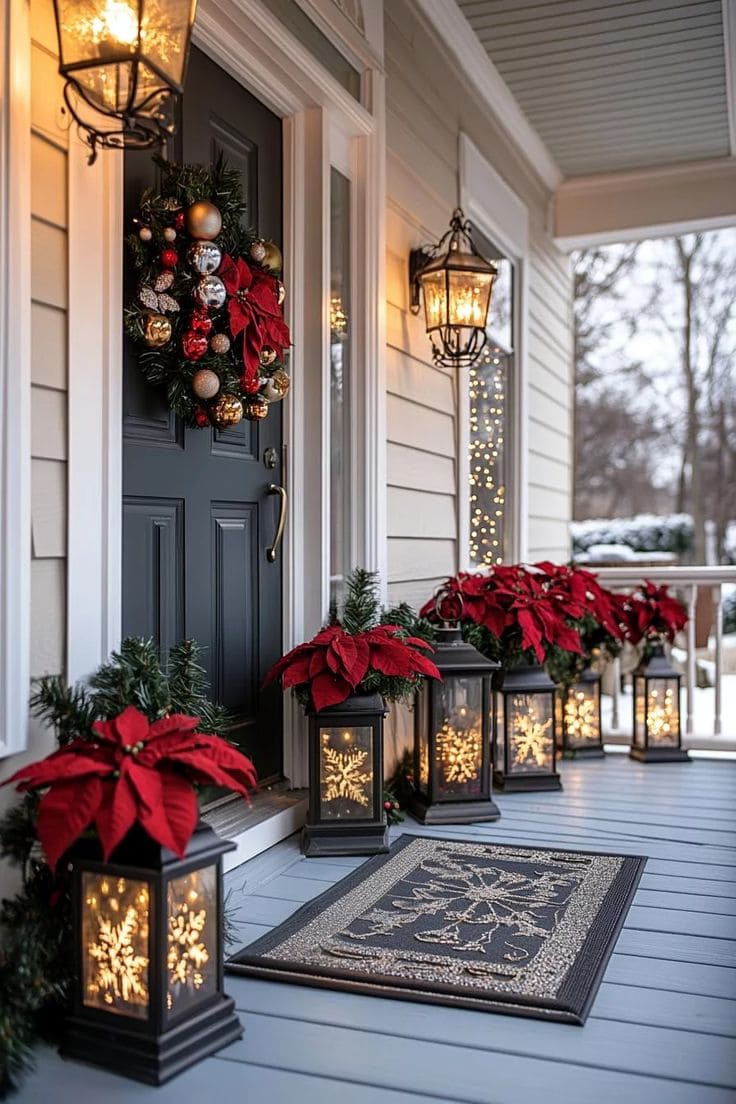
pixel 328 689
pixel 152 816
pixel 117 813
pixel 296 673
pixel 180 805
pixel 64 812
pixel 317 663
pixel 77 760
pixel 174 723
pixel 531 636
pixel 286 661
pixel 392 659
pixel 128 727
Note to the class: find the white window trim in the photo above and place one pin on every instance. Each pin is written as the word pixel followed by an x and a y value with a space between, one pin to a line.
pixel 246 39
pixel 15 374
pixel 498 213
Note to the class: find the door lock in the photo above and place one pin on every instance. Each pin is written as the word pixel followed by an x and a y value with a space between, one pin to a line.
pixel 271 458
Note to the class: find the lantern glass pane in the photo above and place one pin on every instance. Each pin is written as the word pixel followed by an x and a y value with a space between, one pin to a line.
pixel 663 712
pixel 458 737
pixel 191 951
pixel 165 36
pixel 434 290
pixel 640 710
pixel 470 294
pixel 97 30
pixel 341 423
pixel 499 740
pixel 530 732
pixel 421 766
pixel 346 773
pixel 116 917
pixel 581 715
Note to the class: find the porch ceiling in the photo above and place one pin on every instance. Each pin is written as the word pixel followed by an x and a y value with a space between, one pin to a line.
pixel 615 85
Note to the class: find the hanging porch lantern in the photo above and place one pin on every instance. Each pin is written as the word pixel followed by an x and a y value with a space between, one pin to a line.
pixel 579 731
pixel 453 737
pixel 455 284
pixel 126 60
pixel 657 731
pixel 525 742
pixel 148 1000
pixel 346 814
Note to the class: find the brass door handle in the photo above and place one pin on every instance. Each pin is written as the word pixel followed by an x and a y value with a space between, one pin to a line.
pixel 275 489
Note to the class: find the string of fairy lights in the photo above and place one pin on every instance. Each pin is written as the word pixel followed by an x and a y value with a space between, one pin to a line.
pixel 487 489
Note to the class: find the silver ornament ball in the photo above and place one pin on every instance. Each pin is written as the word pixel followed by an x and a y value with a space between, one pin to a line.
pixel 204 257
pixel 210 292
pixel 257 251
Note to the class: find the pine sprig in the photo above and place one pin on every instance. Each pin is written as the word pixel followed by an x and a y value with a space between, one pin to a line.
pixel 360 611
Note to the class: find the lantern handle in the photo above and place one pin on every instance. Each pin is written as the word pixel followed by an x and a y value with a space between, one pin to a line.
pixel 444 593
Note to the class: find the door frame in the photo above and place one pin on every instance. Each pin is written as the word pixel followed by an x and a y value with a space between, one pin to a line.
pixel 252 46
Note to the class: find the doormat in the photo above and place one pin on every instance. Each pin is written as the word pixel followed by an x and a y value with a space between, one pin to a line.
pixel 526 931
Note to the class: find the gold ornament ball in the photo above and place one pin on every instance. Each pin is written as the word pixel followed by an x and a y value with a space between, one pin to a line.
pixel 267 355
pixel 256 411
pixel 205 383
pixel 277 386
pixel 156 330
pixel 281 293
pixel 226 411
pixel 272 259
pixel 203 220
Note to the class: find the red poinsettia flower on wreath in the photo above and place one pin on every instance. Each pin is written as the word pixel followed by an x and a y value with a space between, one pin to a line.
pixel 334 663
pixel 131 772
pixel 254 311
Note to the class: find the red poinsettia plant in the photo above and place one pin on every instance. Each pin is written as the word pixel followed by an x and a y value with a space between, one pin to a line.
pixel 131 771
pixel 255 312
pixel 361 653
pixel 651 614
pixel 515 614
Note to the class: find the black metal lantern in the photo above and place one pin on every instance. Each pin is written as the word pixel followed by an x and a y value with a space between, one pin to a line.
pixel 456 285
pixel 346 815
pixel 579 729
pixel 452 737
pixel 657 731
pixel 148 1000
pixel 125 59
pixel 525 756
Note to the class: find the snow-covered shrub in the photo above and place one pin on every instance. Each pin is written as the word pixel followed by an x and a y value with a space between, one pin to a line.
pixel 729 612
pixel 643 533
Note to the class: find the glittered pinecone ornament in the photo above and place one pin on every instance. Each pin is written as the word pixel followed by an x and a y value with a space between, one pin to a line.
pixel 256 411
pixel 227 410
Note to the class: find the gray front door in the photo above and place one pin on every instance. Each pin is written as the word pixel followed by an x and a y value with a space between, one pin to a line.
pixel 197 516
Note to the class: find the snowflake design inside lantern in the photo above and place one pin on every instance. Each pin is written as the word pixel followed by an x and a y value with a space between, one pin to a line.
pixel 346 772
pixel 581 718
pixel 460 753
pixel 191 937
pixel 116 957
pixel 531 740
pixel 662 715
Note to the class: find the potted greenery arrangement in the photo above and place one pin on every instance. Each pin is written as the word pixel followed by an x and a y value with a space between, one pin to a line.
pixel 126 885
pixel 343 677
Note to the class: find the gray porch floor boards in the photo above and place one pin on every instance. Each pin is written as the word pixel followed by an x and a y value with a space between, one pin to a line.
pixel 662 1029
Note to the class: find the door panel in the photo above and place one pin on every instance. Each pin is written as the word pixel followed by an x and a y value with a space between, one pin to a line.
pixel 197 517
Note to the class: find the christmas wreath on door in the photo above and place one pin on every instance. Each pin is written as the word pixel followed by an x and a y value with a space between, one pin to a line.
pixel 207 312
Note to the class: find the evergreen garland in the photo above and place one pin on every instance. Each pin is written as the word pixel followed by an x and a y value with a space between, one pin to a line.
pixel 35 925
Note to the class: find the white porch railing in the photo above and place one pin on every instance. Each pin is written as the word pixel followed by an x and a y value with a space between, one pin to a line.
pixel 686 582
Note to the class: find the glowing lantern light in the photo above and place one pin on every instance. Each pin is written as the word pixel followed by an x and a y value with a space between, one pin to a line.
pixel 657 734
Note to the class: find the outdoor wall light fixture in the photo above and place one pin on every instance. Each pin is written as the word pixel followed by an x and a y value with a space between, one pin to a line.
pixel 126 60
pixel 455 283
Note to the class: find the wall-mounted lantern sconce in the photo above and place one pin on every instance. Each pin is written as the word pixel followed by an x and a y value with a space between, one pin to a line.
pixel 125 59
pixel 455 283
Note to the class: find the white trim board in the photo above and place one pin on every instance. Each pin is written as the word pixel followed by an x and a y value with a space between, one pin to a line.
pixel 729 47
pixel 15 374
pixel 500 215
pixel 644 203
pixel 461 43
